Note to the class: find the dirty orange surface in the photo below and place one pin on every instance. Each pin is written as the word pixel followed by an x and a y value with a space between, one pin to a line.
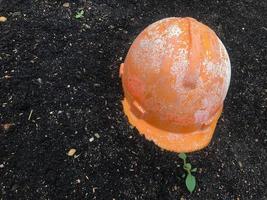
pixel 175 78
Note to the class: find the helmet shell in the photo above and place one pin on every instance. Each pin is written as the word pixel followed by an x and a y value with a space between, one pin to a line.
pixel 176 75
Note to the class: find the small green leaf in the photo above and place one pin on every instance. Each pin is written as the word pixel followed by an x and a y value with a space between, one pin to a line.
pixel 190 182
pixel 194 170
pixel 182 156
pixel 187 166
pixel 79 14
pixel 183 175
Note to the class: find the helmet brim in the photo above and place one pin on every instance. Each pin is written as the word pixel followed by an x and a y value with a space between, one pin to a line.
pixel 176 142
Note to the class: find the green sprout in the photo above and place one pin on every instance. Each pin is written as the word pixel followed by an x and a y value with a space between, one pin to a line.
pixel 79 14
pixel 190 180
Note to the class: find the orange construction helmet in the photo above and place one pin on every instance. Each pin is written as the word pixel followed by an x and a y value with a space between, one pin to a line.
pixel 175 78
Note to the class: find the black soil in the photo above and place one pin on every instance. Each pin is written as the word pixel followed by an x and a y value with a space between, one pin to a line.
pixel 60 89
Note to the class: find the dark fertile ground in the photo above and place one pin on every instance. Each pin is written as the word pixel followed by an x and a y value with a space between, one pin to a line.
pixel 60 89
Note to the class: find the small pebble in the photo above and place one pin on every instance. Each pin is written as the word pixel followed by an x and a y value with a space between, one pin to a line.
pixel 3 19
pixel 6 127
pixel 1 166
pixel 86 26
pixel 94 188
pixel 240 164
pixel 7 77
pixel 66 5
pixel 40 80
pixel 97 135
pixel 91 139
pixel 71 152
pixel 78 181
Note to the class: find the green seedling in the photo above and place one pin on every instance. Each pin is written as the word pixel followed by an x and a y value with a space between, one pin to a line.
pixel 79 14
pixel 190 180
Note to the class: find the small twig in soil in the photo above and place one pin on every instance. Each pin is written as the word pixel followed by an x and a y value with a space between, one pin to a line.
pixel 30 115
